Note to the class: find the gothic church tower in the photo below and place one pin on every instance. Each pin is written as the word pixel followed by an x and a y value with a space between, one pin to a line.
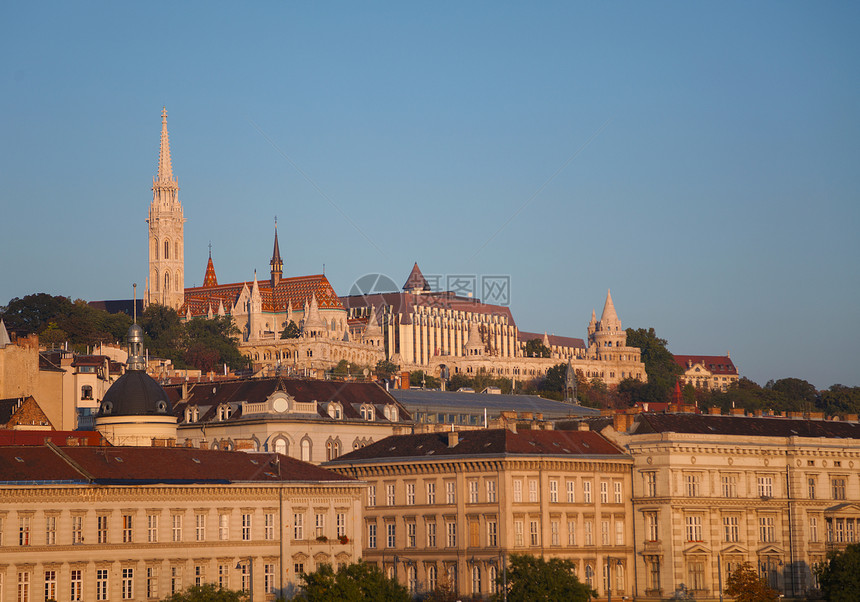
pixel 166 232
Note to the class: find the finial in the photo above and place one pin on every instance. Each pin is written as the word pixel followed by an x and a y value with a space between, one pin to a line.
pixel 134 304
pixel 276 222
pixel 210 249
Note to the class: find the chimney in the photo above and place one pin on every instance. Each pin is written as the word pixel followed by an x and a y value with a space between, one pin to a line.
pixel 795 415
pixel 453 438
pixel 714 411
pixel 737 411
pixel 621 422
pixel 816 415
pixel 757 413
pixel 583 426
pixel 850 417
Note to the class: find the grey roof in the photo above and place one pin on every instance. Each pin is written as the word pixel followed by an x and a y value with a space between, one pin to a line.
pixel 451 401
pixel 135 393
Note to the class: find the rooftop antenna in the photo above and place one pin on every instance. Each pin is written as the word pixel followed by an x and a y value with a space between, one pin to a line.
pixel 134 303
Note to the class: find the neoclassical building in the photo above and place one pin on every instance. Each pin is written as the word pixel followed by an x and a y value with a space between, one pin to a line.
pixel 715 372
pixel 713 491
pixel 140 523
pixel 447 509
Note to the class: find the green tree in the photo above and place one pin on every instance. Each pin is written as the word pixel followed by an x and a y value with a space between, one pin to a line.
pixel 208 592
pixel 530 578
pixel 418 378
pixel 358 582
pixel 215 339
pixel 163 332
pixel 745 585
pixel 385 369
pixel 839 399
pixel 536 348
pixel 839 577
pixel 460 381
pixel 291 331
pixel 660 365
pixel 32 313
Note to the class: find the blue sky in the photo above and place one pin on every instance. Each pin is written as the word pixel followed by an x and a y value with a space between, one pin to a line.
pixel 699 159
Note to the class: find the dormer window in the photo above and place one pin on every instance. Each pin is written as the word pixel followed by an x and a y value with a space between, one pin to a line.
pixel 224 411
pixel 367 412
pixel 192 414
pixel 391 413
pixel 335 410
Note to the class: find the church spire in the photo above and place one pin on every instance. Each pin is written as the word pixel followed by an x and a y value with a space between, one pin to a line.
pixel 609 318
pixel 276 263
pixel 209 279
pixel 165 166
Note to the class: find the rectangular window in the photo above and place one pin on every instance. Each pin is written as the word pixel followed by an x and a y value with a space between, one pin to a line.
pixel 450 492
pixel 371 535
pixel 619 533
pixel 410 494
pixel 246 527
pixel 245 573
pixel 128 584
pixel 199 575
pixel 319 524
pixel 813 529
pixel 491 491
pixel 431 493
pixel 553 491
pixel 604 532
pixel 651 484
pixel 24 531
pixel 586 492
pixel 224 576
pixel 767 529
pixel 151 582
pixel 518 490
pixel 299 568
pixel 474 534
pixel 451 534
pixel 473 492
pixel 127 528
pixel 729 485
pixel 571 492
pixel 696 575
pixel 571 532
pixel 77 582
pixel 176 529
pixel 102 528
pixel 431 534
pixel 50 585
pixel 101 584
pixel 223 527
pixel 533 490
pixel 492 534
pixel 390 535
pixel 340 521
pixel 371 495
pixel 269 578
pixel 77 529
pixel 518 533
pixel 411 535
pixel 589 533
pixel 617 497
pixel 811 487
pixel 200 527
pixel 152 528
pixel 553 530
pixel 765 486
pixel 269 526
pixel 731 528
pixel 175 579
pixel 694 527
pixel 298 526
pixel 50 530
pixel 692 485
pixel 23 586
pixel 534 534
pixel 838 488
pixel 654 573
pixel 389 494
pixel 604 492
pixel 652 532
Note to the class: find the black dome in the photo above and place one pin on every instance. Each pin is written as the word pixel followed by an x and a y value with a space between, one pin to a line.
pixel 135 393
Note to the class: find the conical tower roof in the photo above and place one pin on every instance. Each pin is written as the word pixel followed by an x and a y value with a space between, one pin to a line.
pixel 372 328
pixel 416 280
pixel 609 319
pixel 4 335
pixel 209 279
pixel 165 166
pixel 276 252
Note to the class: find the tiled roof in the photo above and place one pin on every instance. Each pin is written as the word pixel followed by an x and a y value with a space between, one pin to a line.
pixel 149 465
pixel 717 364
pixel 493 442
pixel 403 303
pixel 60 438
pixel 89 360
pixel 416 280
pixel 453 402
pixel 554 340
pixel 745 426
pixel 295 291
pixel 351 396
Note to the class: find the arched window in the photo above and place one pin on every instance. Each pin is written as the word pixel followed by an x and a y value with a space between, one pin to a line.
pixel 335 410
pixel 367 412
pixel 281 446
pixel 166 282
pixel 412 579
pixel 589 575
pixel 492 574
pixel 432 577
pixel 619 577
pixel 476 580
pixel 332 449
pixel 306 449
pixel 176 250
pixel 390 412
pixel 167 249
pixel 155 280
pixel 176 282
pixel 155 248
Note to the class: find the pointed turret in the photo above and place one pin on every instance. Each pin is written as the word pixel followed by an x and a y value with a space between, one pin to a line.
pixel 416 283
pixel 314 325
pixel 165 166
pixel 609 319
pixel 4 335
pixel 474 345
pixel 209 278
pixel 277 264
pixel 372 328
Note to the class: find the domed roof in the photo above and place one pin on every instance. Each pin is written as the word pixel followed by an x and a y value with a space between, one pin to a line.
pixel 135 393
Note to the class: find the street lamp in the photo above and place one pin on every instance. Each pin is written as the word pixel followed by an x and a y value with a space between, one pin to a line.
pixel 250 562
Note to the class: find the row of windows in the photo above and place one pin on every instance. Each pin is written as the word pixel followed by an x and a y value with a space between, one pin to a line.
pixel 132 579
pixel 317 529
pixel 731 528
pixel 763 486
pixel 131 528
pixel 609 491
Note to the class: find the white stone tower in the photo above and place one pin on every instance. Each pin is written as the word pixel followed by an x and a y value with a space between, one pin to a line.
pixel 166 233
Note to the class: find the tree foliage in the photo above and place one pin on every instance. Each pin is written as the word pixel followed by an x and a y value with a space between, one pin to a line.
pixel 530 578
pixel 291 331
pixel 839 577
pixel 659 363
pixel 418 378
pixel 208 592
pixel 745 585
pixel 536 348
pixel 358 582
pixel 386 370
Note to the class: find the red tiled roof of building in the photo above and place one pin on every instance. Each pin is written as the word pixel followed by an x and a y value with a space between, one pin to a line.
pixel 492 442
pixel 209 278
pixel 59 438
pixel 416 280
pixel 403 303
pixel 555 340
pixel 716 364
